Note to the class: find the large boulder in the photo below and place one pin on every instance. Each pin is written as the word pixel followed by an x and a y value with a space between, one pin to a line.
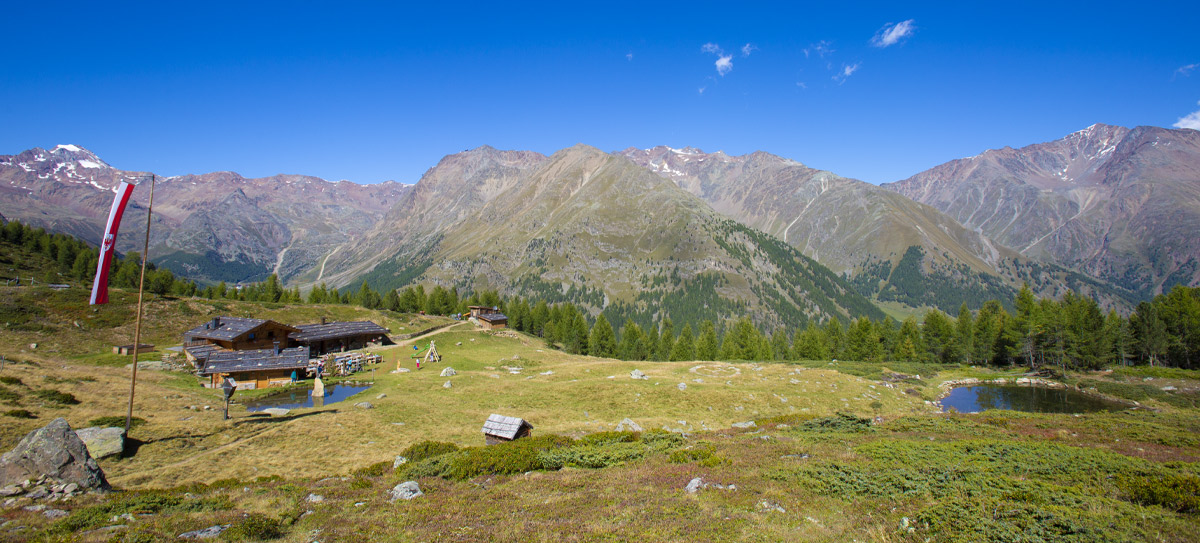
pixel 102 442
pixel 55 452
pixel 405 491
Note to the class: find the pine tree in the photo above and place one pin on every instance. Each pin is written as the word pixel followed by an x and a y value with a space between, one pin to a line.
pixel 835 338
pixel 965 333
pixel 666 341
pixel 706 344
pixel 391 300
pixel 779 345
pixel 811 344
pixel 602 342
pixel 685 348
pixel 632 346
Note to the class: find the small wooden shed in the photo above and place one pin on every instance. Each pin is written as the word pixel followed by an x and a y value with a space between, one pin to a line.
pixel 499 429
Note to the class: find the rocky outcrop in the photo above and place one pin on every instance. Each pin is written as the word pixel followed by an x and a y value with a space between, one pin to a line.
pixel 55 454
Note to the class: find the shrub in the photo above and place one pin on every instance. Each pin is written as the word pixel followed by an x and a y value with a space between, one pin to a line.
pixel 139 503
pixel 374 470
pixel 841 422
pixel 604 438
pixel 1175 492
pixel 254 527
pixel 592 456
pixel 427 449
pixel 117 421
pixel 518 456
pixel 56 397
pixel 662 440
pixel 437 466
pixel 360 483
pixel 20 414
pixel 10 380
pixel 703 454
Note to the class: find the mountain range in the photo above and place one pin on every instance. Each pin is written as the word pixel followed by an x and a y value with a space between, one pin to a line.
pixel 1107 211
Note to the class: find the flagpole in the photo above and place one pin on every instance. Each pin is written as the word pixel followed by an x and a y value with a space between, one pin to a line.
pixel 137 330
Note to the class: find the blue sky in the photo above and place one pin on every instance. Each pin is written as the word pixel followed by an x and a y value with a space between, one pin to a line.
pixel 370 92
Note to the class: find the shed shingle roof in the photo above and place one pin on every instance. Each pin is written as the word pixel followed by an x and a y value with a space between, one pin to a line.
pixel 504 427
pixel 255 360
pixel 493 317
pixel 229 328
pixel 335 330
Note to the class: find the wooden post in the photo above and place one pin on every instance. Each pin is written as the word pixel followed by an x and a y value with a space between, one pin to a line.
pixel 137 330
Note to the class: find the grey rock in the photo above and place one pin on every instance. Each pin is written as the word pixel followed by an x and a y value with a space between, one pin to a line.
pixel 364 405
pixel 694 485
pixel 449 372
pixel 11 490
pixel 399 461
pixel 38 493
pixel 34 508
pixel 315 498
pixel 1169 388
pixel 405 491
pixel 638 374
pixel 747 424
pixel 55 513
pixel 447 385
pixel 56 453
pixel 207 533
pixel 70 488
pixel 547 372
pixel 627 425
pixel 380 396
pixel 276 411
pixel 771 506
pixel 102 442
pixel 681 386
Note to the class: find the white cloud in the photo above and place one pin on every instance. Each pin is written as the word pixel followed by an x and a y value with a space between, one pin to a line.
pixel 724 64
pixel 801 85
pixel 847 71
pixel 628 56
pixel 820 48
pixel 1186 70
pixel 701 90
pixel 891 34
pixel 746 49
pixel 1192 120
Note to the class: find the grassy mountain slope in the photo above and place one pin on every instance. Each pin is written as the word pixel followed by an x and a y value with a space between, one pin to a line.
pixel 597 229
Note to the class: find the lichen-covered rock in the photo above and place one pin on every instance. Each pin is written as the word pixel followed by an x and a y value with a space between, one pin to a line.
pixel 102 442
pixel 405 491
pixel 53 452
pixel 449 372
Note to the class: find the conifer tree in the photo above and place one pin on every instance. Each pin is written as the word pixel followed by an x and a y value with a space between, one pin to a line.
pixel 602 342
pixel 685 347
pixel 706 344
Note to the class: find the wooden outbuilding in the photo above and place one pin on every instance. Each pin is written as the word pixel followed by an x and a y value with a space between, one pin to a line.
pixel 258 368
pixel 327 337
pixel 499 429
pixel 238 334
pixel 128 349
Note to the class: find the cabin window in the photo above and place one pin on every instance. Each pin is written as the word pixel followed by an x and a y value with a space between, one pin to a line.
pixel 251 335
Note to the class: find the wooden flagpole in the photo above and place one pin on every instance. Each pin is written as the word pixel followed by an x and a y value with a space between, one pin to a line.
pixel 137 330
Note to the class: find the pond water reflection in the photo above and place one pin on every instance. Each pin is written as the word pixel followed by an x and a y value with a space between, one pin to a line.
pixel 1031 399
pixel 302 397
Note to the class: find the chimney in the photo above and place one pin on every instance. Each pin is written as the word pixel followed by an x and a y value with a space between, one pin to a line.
pixel 216 323
pixel 322 320
pixel 276 348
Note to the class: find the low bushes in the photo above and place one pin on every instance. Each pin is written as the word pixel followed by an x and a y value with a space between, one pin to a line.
pixel 1177 492
pixel 254 527
pixel 549 452
pixel 56 397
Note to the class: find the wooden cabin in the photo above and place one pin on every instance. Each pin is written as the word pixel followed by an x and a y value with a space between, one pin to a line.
pixel 239 334
pixel 326 337
pixel 128 349
pixel 257 368
pixel 491 321
pixel 499 429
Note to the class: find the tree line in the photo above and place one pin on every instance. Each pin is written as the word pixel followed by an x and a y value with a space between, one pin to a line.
pixel 1070 333
pixel 75 260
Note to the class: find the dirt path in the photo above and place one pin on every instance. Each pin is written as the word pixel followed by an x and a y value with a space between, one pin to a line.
pixel 412 340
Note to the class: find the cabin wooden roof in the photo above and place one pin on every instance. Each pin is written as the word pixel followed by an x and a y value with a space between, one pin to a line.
pixel 492 317
pixel 504 427
pixel 230 328
pixel 336 330
pixel 223 361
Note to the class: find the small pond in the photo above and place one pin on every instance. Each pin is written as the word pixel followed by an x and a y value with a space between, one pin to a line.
pixel 1031 399
pixel 302 397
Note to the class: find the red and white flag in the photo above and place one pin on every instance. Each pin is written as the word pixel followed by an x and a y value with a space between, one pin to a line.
pixel 107 246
